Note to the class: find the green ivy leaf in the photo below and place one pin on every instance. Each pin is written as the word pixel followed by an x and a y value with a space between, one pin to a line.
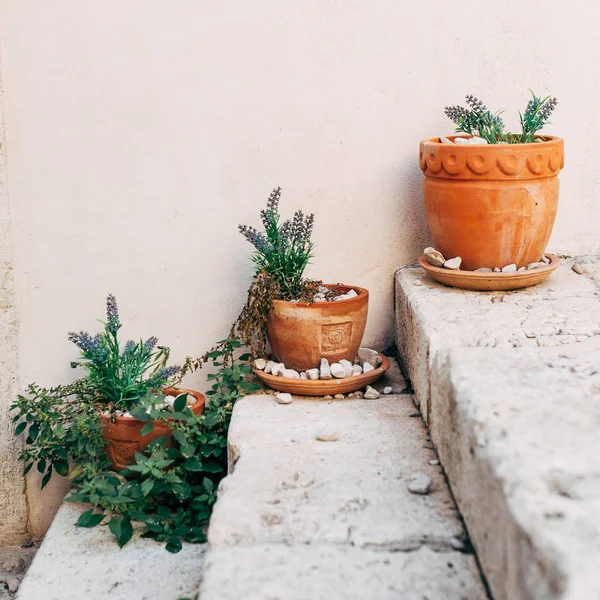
pixel 46 478
pixel 141 414
pixel 180 402
pixel 61 466
pixel 192 464
pixel 121 529
pixel 89 519
pixel 147 428
pixel 174 544
pixel 147 486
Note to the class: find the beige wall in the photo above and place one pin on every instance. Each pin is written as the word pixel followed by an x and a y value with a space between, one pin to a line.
pixel 141 132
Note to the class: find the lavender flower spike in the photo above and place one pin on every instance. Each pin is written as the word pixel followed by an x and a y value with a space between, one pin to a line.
pixel 151 342
pixel 113 323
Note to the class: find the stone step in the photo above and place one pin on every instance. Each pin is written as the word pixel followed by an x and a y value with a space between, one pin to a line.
pixel 74 563
pixel 509 383
pixel 303 519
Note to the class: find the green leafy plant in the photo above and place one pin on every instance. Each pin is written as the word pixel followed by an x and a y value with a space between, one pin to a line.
pixel 169 490
pixel 478 120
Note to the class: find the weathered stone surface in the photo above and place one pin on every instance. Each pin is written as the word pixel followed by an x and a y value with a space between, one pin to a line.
pixel 13 506
pixel 508 386
pixel 14 562
pixel 303 519
pixel 337 572
pixel 75 563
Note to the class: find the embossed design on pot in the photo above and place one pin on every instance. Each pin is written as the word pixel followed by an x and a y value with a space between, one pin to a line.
pixel 122 453
pixel 336 337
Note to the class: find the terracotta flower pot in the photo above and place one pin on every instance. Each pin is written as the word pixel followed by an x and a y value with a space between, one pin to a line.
pixel 492 205
pixel 301 334
pixel 123 435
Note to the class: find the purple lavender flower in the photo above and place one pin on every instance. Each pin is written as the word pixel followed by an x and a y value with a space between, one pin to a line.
pixel 91 347
pixel 151 342
pixel 113 323
pixel 129 347
pixel 167 372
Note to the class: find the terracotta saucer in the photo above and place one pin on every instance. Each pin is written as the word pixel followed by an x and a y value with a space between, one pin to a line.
pixel 323 387
pixel 490 282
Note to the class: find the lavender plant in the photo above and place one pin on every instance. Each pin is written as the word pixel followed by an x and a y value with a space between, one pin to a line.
pixel 478 120
pixel 283 250
pixel 120 378
pixel 170 489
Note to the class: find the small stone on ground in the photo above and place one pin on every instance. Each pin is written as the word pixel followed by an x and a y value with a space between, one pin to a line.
pixel 284 398
pixel 419 483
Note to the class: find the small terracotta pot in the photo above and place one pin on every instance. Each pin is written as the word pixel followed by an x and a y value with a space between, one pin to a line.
pixel 301 334
pixel 492 205
pixel 123 435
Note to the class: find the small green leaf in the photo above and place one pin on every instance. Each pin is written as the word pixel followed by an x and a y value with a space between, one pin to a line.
pixel 61 466
pixel 192 464
pixel 140 414
pixel 33 433
pixel 46 478
pixel 173 544
pixel 89 519
pixel 41 466
pixel 27 468
pixel 78 497
pixel 180 402
pixel 147 428
pixel 180 437
pixel 121 529
pixel 212 467
pixel 20 427
pixel 147 486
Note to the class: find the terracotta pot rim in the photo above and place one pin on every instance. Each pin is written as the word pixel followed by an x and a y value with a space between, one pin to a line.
pixel 362 292
pixel 548 140
pixel 200 402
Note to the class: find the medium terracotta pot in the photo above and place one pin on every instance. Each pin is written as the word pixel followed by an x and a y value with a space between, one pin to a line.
pixel 301 334
pixel 123 435
pixel 492 205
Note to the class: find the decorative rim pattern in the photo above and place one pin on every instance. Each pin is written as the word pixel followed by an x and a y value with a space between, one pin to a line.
pixel 491 161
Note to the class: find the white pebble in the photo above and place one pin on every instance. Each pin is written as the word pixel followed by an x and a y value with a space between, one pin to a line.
pixel 417 282
pixel 338 371
pixel 534 265
pixel 289 374
pixel 312 374
pixel 445 140
pixel 453 263
pixel 545 259
pixel 388 389
pixel 269 366
pixel 327 436
pixel 577 268
pixel 520 269
pixel 340 397
pixel 345 363
pixel 460 140
pixel 512 268
pixel 351 294
pixel 434 461
pixel 303 375
pixel 371 393
pixel 483 270
pixel 283 398
pixel 433 257
pixel 496 270
pixel 325 369
pixel 260 364
pixel 367 366
pixel 477 140
pixel 419 483
pixel 356 370
pixel 277 368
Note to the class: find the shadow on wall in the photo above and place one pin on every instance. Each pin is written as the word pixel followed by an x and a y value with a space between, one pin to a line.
pixel 413 227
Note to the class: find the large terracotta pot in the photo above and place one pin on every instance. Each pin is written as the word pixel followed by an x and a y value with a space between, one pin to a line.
pixel 301 334
pixel 492 205
pixel 123 434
